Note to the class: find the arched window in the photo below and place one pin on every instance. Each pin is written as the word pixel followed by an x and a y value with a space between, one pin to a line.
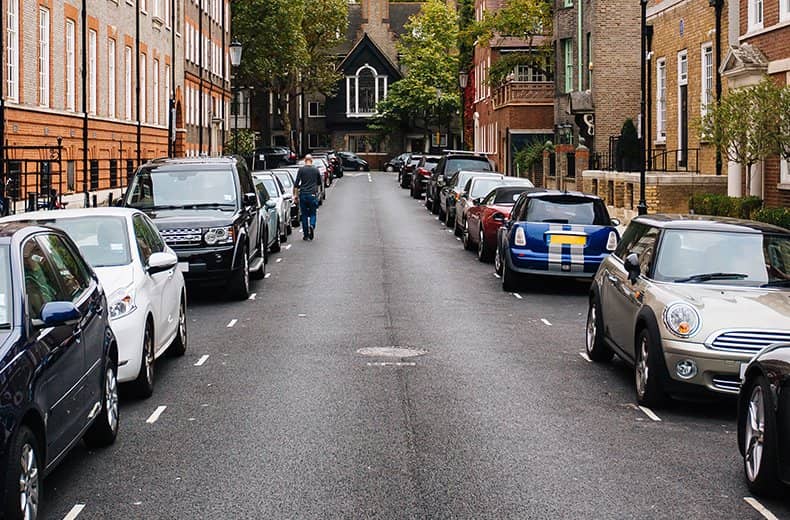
pixel 364 90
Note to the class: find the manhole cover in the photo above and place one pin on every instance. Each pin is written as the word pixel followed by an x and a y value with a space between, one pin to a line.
pixel 398 352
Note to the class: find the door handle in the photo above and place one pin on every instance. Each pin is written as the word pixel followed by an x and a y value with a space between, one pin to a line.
pixel 612 278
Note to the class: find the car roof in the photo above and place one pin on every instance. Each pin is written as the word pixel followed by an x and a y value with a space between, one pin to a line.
pixel 109 211
pixel 8 229
pixel 579 194
pixel 481 173
pixel 192 161
pixel 709 223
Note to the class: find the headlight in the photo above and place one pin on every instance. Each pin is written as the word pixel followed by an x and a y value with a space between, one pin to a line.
pixel 121 303
pixel 220 235
pixel 682 319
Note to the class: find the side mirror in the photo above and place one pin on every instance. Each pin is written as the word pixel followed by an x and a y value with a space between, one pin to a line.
pixel 159 262
pixel 440 180
pixel 633 268
pixel 56 314
pixel 270 204
pixel 250 199
pixel 477 201
pixel 615 221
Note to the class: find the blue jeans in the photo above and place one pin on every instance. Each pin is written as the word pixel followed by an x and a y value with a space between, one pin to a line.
pixel 308 206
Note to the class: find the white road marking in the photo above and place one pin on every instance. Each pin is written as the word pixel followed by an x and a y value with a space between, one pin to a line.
pixel 302 315
pixel 546 322
pixel 392 364
pixel 370 179
pixel 760 508
pixel 156 414
pixel 75 511
pixel 458 239
pixel 497 275
pixel 202 360
pixel 585 357
pixel 287 247
pixel 449 230
pixel 252 296
pixel 279 260
pixel 517 295
pixel 267 275
pixel 647 411
pixel 232 323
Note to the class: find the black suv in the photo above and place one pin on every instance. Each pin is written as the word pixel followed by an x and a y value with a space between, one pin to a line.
pixel 450 163
pixel 273 157
pixel 208 212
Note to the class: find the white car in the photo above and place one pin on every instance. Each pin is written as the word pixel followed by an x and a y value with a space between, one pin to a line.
pixel 142 281
pixel 283 199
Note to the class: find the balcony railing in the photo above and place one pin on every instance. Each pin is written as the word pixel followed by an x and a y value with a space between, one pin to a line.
pixel 523 93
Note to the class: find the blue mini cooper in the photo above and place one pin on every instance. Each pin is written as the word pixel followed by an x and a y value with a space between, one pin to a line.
pixel 554 233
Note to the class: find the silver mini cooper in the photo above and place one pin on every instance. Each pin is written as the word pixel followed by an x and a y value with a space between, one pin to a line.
pixel 689 300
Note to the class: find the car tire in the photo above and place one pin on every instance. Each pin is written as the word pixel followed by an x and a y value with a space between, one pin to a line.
pixel 597 349
pixel 289 228
pixel 498 261
pixel 466 238
pixel 760 437
pixel 390 168
pixel 458 230
pixel 179 345
pixel 510 279
pixel 360 168
pixel 649 372
pixel 23 474
pixel 275 247
pixel 403 183
pixel 449 220
pixel 428 203
pixel 105 426
pixel 143 385
pixel 240 282
pixel 284 234
pixel 483 254
pixel 436 208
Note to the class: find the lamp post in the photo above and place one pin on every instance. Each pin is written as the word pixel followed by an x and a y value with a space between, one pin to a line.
pixel 642 206
pixel 235 49
pixel 463 80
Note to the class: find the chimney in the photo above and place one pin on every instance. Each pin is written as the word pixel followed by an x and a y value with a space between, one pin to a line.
pixel 376 23
pixel 375 12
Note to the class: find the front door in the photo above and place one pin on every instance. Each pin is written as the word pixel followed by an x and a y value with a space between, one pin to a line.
pixel 154 284
pixel 683 110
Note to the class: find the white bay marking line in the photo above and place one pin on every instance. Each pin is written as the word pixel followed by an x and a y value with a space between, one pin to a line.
pixel 457 239
pixel 392 364
pixel 267 275
pixel 232 323
pixel 449 230
pixel 760 508
pixel 546 322
pixel 370 179
pixel 252 296
pixel 497 276
pixel 585 357
pixel 279 260
pixel 154 416
pixel 74 512
pixel 287 247
pixel 202 360
pixel 517 295
pixel 647 411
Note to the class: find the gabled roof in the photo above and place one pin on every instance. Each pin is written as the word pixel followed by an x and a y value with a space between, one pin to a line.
pixel 741 59
pixel 366 43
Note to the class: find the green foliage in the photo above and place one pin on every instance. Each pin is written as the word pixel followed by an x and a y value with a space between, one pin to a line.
pixel 466 43
pixel 628 148
pixel 776 216
pixel 324 26
pixel 724 206
pixel 241 141
pixel 529 156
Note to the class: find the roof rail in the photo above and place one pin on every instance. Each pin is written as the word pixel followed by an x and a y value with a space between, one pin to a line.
pixel 470 152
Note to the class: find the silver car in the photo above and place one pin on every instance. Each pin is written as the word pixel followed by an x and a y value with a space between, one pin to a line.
pixel 283 199
pixel 689 300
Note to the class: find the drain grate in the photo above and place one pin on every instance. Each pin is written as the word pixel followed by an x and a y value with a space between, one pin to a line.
pixel 397 352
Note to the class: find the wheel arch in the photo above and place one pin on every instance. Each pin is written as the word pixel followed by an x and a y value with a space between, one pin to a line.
pixel 646 320
pixel 33 420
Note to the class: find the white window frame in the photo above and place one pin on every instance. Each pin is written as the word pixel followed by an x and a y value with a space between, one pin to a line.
pixel 352 91
pixel 784 10
pixel 112 79
pixel 706 76
pixel 168 94
pixel 142 116
pixel 127 59
pixel 12 51
pixel 155 91
pixel 71 66
pixel 567 65
pixel 784 172
pixel 316 109
pixel 43 56
pixel 756 15
pixel 661 100
pixel 92 79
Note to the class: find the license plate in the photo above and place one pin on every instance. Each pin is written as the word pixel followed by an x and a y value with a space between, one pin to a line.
pixel 183 267
pixel 573 240
pixel 743 370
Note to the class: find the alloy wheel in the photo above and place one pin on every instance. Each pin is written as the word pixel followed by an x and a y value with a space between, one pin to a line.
pixel 246 270
pixel 641 370
pixel 592 327
pixel 182 323
pixel 148 356
pixel 465 234
pixel 755 433
pixel 498 262
pixel 111 398
pixel 28 483
pixel 480 244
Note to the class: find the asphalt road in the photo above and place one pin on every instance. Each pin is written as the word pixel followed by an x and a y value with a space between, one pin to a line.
pixel 502 417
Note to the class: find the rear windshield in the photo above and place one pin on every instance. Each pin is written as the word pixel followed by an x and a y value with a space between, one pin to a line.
pixel 508 195
pixel 271 186
pixel 468 163
pixel 162 188
pixel 567 209
pixel 415 160
pixel 102 239
pixel 482 187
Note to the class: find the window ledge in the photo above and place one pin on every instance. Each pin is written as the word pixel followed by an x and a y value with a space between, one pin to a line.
pixel 660 142
pixel 157 20
pixel 783 186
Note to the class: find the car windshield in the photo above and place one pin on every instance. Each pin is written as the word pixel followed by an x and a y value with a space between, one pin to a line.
pixel 172 189
pixel 692 256
pixel 468 163
pixel 482 187
pixel 463 178
pixel 6 300
pixel 270 184
pixel 567 209
pixel 103 240
pixel 430 165
pixel 285 179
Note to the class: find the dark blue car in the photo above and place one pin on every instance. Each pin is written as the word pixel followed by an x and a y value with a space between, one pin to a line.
pixel 554 233
pixel 58 361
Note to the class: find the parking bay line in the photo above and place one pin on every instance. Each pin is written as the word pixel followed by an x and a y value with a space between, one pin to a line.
pixel 585 357
pixel 155 416
pixel 252 296
pixel 278 260
pixel 647 411
pixel 202 360
pixel 517 295
pixel 267 275
pixel 74 512
pixel 232 322
pixel 546 322
pixel 760 508
pixel 287 247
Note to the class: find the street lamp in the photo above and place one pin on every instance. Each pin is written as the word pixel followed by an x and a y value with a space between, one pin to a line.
pixel 463 80
pixel 642 206
pixel 235 49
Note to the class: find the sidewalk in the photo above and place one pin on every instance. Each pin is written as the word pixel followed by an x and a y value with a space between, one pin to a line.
pixel 77 200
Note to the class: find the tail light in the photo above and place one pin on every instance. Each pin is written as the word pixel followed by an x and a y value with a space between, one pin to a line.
pixel 423 172
pixel 499 217
pixel 292 155
pixel 611 243
pixel 521 238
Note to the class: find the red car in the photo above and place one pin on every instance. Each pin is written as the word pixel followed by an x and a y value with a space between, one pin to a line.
pixel 484 219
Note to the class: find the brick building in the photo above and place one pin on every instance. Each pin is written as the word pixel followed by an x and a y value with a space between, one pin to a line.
pixel 506 119
pixel 597 71
pixel 207 71
pixel 759 39
pixel 98 82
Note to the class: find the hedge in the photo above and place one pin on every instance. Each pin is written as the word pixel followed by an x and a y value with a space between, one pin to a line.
pixel 724 206
pixel 776 216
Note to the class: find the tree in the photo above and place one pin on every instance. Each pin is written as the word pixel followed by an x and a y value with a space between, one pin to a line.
pixel 324 27
pixel 745 125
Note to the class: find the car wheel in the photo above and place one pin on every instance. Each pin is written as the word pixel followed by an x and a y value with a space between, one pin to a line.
pixel 179 345
pixel 390 168
pixel 648 374
pixel 458 230
pixel 597 349
pixel 360 168
pixel 240 284
pixel 105 427
pixel 483 254
pixel 498 261
pixel 404 182
pixel 467 240
pixel 436 209
pixel 428 203
pixel 510 279
pixel 759 436
pixel 144 384
pixel 284 234
pixel 399 177
pixel 289 228
pixel 23 475
pixel 449 220
pixel 275 248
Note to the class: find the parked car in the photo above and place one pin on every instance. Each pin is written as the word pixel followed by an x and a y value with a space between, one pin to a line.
pixel 396 163
pixel 689 300
pixel 139 273
pixel 473 193
pixel 282 199
pixel 763 417
pixel 485 219
pixel 422 174
pixel 452 189
pixel 272 157
pixel 554 233
pixel 336 162
pixel 59 361
pixel 448 165
pixel 287 180
pixel 208 211
pixel 352 161
pixel 407 170
pixel 271 214
pixel 328 173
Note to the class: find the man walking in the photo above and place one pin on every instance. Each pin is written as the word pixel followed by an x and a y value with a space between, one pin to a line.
pixel 306 189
